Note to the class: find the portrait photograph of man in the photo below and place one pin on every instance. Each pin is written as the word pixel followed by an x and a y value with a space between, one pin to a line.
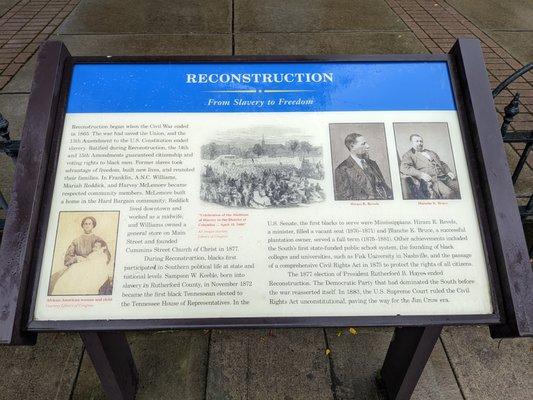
pixel 427 167
pixel 360 162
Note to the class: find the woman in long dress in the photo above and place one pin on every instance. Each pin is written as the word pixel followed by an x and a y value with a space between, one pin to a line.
pixel 82 276
pixel 80 247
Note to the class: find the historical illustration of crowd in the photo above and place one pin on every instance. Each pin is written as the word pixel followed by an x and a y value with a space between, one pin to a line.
pixel 423 172
pixel 262 175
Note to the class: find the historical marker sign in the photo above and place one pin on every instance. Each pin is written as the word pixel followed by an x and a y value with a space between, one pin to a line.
pixel 262 191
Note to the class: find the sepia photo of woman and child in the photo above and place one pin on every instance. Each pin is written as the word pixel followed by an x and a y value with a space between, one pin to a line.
pixel 86 266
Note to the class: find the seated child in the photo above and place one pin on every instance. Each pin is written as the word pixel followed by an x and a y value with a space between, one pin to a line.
pixel 87 276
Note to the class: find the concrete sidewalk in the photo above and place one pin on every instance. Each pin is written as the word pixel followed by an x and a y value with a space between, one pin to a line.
pixel 287 363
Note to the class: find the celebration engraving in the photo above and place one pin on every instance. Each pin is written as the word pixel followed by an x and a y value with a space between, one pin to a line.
pixel 251 171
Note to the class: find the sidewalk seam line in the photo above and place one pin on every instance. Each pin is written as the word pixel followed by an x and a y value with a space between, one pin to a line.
pixel 332 376
pixel 454 372
pixel 207 363
pixel 75 380
pixel 2 92
pixel 233 27
pixel 510 30
pixel 329 32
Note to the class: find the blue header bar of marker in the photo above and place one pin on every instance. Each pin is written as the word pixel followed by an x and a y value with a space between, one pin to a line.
pixel 260 87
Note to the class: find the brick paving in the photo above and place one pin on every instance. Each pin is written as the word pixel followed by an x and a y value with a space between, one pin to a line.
pixel 24 27
pixel 437 25
pixel 434 22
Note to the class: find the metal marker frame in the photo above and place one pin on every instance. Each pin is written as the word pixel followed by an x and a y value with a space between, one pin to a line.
pixel 506 253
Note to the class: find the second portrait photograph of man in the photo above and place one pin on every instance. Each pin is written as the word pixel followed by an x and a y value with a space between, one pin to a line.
pixel 360 161
pixel 427 166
